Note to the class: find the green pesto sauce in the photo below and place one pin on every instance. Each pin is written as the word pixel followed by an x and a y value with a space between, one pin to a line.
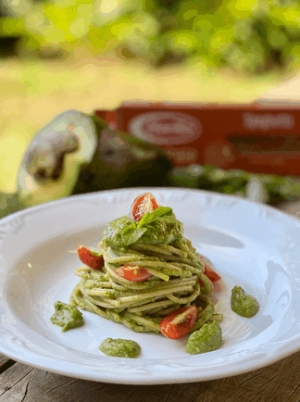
pixel 120 348
pixel 164 230
pixel 242 303
pixel 66 316
pixel 206 339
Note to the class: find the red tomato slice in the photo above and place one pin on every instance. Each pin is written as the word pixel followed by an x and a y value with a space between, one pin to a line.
pixel 142 204
pixel 133 273
pixel 90 258
pixel 212 275
pixel 179 323
pixel 208 269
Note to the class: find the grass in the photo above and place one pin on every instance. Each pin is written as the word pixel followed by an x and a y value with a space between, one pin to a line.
pixel 33 92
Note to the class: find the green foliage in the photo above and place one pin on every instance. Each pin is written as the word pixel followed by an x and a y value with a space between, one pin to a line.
pixel 246 35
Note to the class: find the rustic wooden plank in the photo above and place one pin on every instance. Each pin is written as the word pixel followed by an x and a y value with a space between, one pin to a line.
pixel 5 363
pixel 278 382
pixel 3 359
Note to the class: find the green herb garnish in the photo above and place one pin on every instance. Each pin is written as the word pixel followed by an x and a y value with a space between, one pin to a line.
pixel 132 233
pixel 150 217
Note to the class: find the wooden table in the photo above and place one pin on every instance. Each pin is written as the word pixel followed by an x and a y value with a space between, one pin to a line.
pixel 278 382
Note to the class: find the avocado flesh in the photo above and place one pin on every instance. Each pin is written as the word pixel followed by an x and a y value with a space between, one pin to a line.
pixel 53 161
pixel 33 192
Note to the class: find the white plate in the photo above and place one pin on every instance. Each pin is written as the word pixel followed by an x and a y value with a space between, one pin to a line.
pixel 250 245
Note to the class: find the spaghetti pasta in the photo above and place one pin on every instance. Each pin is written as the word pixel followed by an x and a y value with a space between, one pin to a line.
pixel 175 278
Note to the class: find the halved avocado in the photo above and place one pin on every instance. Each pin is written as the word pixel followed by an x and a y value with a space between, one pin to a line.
pixel 53 161
pixel 77 153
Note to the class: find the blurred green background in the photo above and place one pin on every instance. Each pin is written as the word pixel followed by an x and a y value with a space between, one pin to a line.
pixel 85 54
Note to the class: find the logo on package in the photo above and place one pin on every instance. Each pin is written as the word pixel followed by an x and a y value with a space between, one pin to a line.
pixel 165 128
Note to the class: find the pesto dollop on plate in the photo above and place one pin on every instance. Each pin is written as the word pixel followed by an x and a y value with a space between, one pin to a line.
pixel 206 339
pixel 66 316
pixel 120 348
pixel 242 303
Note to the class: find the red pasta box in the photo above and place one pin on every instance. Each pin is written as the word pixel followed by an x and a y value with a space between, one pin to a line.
pixel 257 138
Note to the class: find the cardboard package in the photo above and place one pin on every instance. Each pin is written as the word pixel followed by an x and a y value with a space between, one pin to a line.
pixel 261 138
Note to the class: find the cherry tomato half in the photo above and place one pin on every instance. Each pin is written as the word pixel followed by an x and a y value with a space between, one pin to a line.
pixel 208 269
pixel 210 273
pixel 133 273
pixel 90 258
pixel 179 323
pixel 142 204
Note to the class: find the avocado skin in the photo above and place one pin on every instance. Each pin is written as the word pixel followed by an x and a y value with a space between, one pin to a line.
pixel 10 203
pixel 121 160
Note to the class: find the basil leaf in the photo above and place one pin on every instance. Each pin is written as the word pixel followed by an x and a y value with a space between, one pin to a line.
pixel 146 219
pixel 168 219
pixel 149 217
pixel 161 211
pixel 129 228
pixel 131 235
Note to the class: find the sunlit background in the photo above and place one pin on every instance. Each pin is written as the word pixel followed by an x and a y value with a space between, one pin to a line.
pixel 83 54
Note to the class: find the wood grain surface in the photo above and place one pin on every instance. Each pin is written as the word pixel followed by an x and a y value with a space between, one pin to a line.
pixel 279 382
